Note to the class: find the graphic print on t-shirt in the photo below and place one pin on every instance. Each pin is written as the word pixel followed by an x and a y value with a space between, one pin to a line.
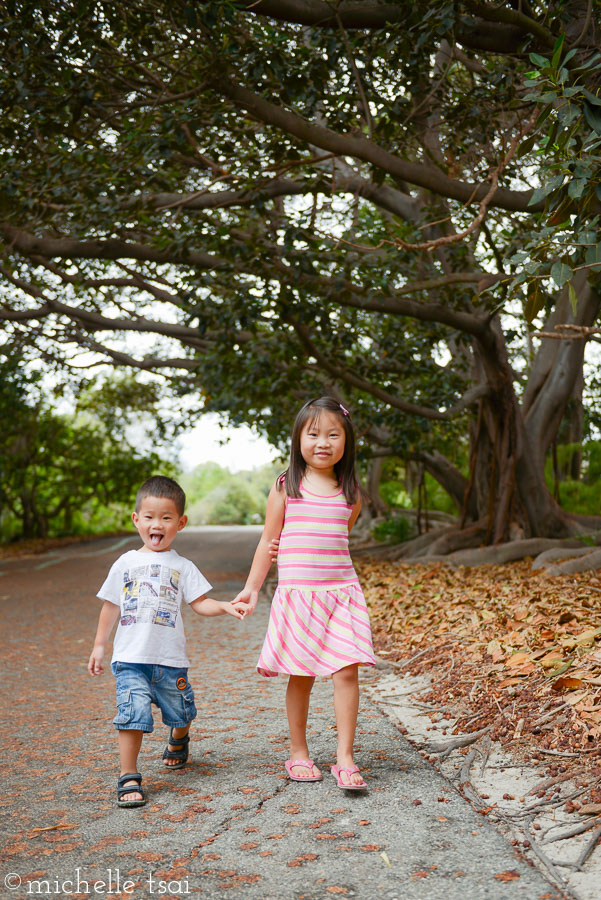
pixel 150 594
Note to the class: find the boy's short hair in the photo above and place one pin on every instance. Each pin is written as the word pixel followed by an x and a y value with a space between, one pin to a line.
pixel 161 486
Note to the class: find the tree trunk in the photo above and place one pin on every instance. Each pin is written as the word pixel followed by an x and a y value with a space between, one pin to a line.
pixel 451 479
pixel 506 477
pixel 372 483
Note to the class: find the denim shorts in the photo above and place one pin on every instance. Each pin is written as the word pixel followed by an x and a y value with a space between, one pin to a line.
pixel 141 684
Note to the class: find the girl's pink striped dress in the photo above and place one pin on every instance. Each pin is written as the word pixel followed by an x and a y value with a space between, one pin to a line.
pixel 319 621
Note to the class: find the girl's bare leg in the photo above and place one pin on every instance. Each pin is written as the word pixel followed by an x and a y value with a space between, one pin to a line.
pixel 130 742
pixel 346 707
pixel 298 695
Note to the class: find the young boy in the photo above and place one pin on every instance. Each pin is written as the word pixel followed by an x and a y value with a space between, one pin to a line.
pixel 144 591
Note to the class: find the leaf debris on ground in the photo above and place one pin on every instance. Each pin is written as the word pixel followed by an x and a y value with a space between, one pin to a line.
pixel 510 649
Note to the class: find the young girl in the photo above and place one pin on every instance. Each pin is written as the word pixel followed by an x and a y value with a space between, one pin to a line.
pixel 319 624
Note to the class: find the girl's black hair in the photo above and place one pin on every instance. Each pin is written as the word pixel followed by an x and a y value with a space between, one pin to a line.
pixel 344 469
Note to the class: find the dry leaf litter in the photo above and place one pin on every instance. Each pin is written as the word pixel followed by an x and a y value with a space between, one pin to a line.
pixel 508 658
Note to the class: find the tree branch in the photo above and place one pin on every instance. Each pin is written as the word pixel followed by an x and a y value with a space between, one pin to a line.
pixel 495 36
pixel 433 179
pixel 206 199
pixel 348 294
pixel 373 389
pixel 324 14
pixel 109 248
pixel 147 364
pixel 513 17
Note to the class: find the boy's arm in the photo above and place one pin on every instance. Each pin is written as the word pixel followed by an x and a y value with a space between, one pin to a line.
pixel 109 614
pixel 274 520
pixel 207 606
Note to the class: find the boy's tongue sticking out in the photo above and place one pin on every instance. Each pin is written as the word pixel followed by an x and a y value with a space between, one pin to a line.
pixel 155 539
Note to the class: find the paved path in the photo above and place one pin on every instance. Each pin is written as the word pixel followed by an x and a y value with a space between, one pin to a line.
pixel 230 824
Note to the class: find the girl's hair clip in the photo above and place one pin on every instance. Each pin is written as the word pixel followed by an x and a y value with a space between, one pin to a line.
pixel 345 411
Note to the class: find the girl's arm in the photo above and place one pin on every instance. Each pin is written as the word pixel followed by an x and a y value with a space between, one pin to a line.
pixel 109 614
pixel 274 520
pixel 206 606
pixel 354 514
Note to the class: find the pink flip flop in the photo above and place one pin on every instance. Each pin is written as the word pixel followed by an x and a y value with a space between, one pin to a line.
pixel 350 770
pixel 306 764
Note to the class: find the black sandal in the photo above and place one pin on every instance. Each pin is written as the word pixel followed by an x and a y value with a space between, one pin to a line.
pixel 130 789
pixel 180 755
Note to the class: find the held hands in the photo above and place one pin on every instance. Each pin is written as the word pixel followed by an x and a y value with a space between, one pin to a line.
pixel 238 610
pixel 246 601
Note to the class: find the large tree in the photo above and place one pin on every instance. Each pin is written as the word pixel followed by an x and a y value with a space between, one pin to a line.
pixel 365 197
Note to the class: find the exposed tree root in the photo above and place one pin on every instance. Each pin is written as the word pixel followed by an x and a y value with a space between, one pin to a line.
pixel 504 553
pixel 550 557
pixel 592 523
pixel 591 560
pixel 456 546
pixel 459 740
pixel 416 547
pixel 459 539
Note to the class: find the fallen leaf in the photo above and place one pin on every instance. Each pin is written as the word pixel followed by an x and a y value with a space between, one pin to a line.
pixel 560 670
pixel 517 659
pixel 495 650
pixel 589 809
pixel 509 875
pixel 567 684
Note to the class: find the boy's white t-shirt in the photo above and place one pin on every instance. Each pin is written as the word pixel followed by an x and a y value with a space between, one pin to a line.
pixel 149 587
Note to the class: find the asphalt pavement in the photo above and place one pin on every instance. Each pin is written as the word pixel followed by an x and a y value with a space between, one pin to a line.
pixel 230 824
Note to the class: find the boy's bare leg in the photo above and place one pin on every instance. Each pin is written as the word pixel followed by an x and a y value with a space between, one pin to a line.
pixel 346 707
pixel 130 742
pixel 173 745
pixel 298 695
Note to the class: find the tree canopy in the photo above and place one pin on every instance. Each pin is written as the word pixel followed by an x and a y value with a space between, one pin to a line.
pixel 272 199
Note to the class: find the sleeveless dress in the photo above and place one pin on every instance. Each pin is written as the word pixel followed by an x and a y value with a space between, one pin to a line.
pixel 319 621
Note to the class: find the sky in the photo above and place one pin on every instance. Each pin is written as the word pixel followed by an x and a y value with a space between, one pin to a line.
pixel 243 449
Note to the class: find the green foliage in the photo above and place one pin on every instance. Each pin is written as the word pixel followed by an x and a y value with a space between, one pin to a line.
pixel 394 493
pixel 578 496
pixel 435 497
pixel 61 473
pixel 216 496
pixel 567 146
pixel 395 530
pixel 121 124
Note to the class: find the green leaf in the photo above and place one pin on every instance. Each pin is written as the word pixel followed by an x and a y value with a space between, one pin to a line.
pixel 546 189
pixel 592 98
pixel 576 187
pixel 559 670
pixel 538 60
pixel 526 146
pixel 592 257
pixel 557 51
pixel 593 63
pixel 573 298
pixel 535 301
pixel 561 273
pixel 544 114
pixel 593 117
